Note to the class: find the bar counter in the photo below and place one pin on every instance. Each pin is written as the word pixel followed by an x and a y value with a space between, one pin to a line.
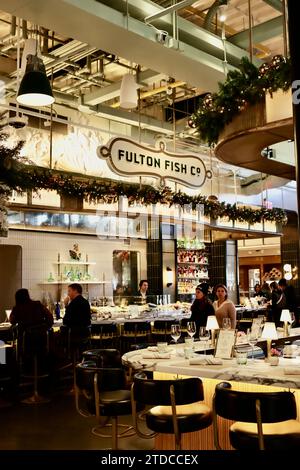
pixel 256 376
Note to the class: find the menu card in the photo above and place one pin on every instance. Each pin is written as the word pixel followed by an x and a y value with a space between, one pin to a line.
pixel 225 344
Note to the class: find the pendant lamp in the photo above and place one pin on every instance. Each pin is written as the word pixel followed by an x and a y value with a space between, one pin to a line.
pixel 35 88
pixel 128 92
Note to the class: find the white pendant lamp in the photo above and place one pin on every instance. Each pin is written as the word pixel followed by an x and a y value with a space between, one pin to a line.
pixel 128 92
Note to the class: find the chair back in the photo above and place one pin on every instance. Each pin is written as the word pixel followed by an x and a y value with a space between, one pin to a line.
pixel 136 327
pixel 157 392
pixel 241 406
pixel 104 330
pixel 103 358
pixel 109 379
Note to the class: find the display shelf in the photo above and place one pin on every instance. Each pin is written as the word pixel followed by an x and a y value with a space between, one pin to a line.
pixel 192 264
pixel 70 282
pixel 76 263
pixel 192 278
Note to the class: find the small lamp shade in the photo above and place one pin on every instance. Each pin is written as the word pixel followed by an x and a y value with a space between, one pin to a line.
pixel 212 323
pixel 286 316
pixel 169 276
pixel 128 92
pixel 35 88
pixel 269 331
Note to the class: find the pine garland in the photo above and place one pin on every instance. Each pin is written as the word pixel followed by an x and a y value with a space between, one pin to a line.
pixel 21 177
pixel 241 88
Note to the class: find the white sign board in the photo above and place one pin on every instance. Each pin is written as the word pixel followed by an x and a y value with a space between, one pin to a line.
pixel 126 157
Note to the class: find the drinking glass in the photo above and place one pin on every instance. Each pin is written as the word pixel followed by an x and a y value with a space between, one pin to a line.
pixel 226 324
pixel 191 328
pixel 175 332
pixel 252 337
pixel 203 336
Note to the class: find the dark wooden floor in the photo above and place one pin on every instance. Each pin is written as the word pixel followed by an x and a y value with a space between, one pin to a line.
pixel 56 426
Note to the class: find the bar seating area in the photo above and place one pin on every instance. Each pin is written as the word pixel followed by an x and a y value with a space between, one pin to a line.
pixel 149 233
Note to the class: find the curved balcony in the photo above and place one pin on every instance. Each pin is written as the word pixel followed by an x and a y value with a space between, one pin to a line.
pixel 256 128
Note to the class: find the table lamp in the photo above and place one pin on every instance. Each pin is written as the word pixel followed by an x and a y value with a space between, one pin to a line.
pixel 212 325
pixel 286 318
pixel 269 332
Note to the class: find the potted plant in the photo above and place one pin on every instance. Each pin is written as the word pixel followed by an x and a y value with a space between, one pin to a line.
pixel 274 357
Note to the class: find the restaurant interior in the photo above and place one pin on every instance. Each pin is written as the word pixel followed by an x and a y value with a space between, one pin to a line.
pixel 149 226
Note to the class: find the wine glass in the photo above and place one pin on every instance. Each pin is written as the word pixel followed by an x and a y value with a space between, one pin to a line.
pixel 175 332
pixel 191 328
pixel 203 336
pixel 226 324
pixel 252 337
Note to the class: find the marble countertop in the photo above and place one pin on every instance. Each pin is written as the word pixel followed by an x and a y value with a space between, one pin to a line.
pixel 256 372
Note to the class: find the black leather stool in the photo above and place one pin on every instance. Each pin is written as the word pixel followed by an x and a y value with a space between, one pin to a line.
pixel 177 406
pixel 105 394
pixel 103 358
pixel 34 351
pixel 264 420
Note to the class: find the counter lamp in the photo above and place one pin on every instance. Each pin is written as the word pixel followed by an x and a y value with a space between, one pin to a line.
pixel 269 332
pixel 169 277
pixel 286 318
pixel 212 325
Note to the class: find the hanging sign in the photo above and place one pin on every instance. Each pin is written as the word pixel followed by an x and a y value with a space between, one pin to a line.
pixel 126 157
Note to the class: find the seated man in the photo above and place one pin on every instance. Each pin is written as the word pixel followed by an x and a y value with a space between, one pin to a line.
pixel 78 311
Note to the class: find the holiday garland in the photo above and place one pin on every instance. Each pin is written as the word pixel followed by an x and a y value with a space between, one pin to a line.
pixel 16 175
pixel 241 88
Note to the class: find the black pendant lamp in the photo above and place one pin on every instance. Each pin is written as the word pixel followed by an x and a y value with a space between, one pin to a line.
pixel 35 88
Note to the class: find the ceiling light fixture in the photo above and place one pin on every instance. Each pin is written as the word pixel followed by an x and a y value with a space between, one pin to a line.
pixel 35 89
pixel 128 92
pixel 222 13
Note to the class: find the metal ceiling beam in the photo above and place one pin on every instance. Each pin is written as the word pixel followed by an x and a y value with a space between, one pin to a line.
pixel 113 91
pixel 198 60
pixel 171 9
pixel 262 32
pixel 276 4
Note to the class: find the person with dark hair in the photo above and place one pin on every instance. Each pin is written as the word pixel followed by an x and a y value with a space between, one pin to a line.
pixel 78 311
pixel 142 295
pixel 290 295
pixel 224 308
pixel 266 291
pixel 201 307
pixel 28 313
pixel 278 302
pixel 257 290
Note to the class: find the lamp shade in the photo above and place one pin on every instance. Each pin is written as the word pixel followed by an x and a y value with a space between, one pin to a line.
pixel 269 331
pixel 286 316
pixel 35 89
pixel 128 92
pixel 211 323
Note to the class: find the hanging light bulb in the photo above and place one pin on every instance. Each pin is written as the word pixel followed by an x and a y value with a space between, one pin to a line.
pixel 222 13
pixel 128 92
pixel 35 88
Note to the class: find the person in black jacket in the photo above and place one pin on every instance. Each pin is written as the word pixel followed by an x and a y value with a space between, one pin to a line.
pixel 78 312
pixel 201 307
pixel 29 313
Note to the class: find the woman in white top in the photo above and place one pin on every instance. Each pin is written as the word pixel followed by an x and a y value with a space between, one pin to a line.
pixel 224 308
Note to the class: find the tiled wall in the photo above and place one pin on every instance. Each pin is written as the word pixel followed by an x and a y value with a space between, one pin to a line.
pixel 40 250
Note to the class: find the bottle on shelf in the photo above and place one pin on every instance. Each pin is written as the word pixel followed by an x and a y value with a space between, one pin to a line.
pixel 57 311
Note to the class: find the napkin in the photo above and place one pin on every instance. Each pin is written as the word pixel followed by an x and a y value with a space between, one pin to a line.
pixel 291 370
pixel 202 361
pixel 156 355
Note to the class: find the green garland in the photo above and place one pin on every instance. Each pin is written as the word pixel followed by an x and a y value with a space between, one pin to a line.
pixel 21 177
pixel 241 88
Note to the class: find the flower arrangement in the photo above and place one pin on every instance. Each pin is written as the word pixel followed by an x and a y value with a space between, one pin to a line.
pixel 275 352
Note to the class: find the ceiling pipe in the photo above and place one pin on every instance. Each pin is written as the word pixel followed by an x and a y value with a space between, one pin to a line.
pixel 211 14
pixel 171 9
